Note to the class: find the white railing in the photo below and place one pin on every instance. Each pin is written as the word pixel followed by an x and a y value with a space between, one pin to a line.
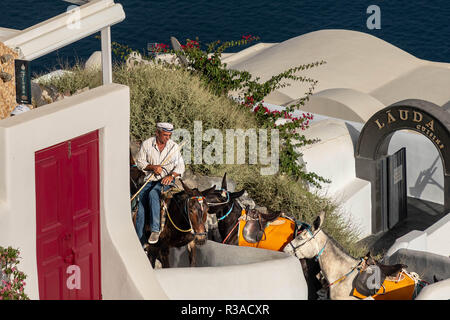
pixel 67 28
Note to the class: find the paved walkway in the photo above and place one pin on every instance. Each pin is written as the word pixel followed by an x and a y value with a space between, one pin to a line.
pixel 421 215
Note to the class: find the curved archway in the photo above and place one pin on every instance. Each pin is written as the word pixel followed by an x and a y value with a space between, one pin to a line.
pixel 421 116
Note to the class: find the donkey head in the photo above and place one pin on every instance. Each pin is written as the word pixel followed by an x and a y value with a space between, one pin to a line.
pixel 197 211
pixel 218 200
pixel 305 244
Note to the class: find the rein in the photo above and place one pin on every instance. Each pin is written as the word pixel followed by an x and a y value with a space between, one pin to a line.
pixel 237 223
pixel 345 275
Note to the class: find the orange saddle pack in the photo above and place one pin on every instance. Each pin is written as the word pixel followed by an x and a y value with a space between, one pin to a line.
pixel 401 288
pixel 276 235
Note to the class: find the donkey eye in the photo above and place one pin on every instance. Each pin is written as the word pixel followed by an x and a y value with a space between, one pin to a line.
pixel 302 234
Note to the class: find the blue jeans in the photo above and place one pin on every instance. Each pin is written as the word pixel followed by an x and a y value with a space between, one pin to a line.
pixel 149 203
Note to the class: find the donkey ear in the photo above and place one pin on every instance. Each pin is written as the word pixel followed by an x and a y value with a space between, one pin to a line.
pixel 207 191
pixel 234 195
pixel 319 221
pixel 224 181
pixel 185 187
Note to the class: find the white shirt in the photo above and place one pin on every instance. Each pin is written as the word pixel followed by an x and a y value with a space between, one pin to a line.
pixel 150 154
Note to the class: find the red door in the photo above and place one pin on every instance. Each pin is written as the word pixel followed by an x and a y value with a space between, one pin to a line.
pixel 67 218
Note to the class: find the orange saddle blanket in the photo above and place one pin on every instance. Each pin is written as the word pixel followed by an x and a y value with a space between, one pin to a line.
pixel 277 234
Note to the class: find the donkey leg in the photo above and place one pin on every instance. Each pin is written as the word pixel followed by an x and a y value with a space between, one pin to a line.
pixel 152 253
pixel 314 285
pixel 192 253
pixel 164 257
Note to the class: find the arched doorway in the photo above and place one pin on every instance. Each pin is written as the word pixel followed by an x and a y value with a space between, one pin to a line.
pixel 421 116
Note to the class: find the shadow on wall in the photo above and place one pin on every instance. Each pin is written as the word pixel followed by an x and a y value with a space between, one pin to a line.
pixel 425 178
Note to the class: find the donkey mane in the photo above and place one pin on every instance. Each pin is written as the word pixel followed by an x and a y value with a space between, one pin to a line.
pixel 182 195
pixel 338 245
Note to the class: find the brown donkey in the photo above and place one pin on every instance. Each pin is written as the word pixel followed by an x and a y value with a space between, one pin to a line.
pixel 185 225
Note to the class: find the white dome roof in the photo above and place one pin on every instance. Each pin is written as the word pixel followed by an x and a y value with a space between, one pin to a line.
pixel 354 60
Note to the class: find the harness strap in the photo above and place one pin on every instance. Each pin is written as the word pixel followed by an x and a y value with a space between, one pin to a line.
pixel 176 226
pixel 237 223
pixel 321 251
pixel 345 275
pixel 215 204
pixel 226 238
pixel 226 214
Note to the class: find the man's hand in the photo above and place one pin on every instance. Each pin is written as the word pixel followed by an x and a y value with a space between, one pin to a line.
pixel 155 168
pixel 167 180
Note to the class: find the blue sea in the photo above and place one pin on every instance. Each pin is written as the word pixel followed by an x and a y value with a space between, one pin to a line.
pixel 421 28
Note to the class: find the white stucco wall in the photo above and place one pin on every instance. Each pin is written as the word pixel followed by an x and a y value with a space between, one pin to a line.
pixel 279 279
pixel 356 206
pixel 343 103
pixel 436 291
pixel 125 271
pixel 434 239
pixel 336 145
pixel 233 272
pixel 333 158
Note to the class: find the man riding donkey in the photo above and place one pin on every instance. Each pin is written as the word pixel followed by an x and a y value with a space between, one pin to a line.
pixel 160 158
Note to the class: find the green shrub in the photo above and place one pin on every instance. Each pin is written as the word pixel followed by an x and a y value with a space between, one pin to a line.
pixel 174 95
pixel 79 78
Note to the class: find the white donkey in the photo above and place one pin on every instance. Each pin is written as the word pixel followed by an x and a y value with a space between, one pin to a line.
pixel 338 267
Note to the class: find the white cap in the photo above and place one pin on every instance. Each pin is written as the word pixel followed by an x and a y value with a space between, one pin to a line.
pixel 165 126
pixel 20 109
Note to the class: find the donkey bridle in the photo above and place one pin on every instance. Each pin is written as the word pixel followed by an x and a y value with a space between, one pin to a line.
pixel 186 208
pixel 319 253
pixel 216 204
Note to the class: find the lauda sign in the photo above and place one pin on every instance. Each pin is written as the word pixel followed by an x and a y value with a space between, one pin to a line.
pixel 421 116
pixel 412 119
